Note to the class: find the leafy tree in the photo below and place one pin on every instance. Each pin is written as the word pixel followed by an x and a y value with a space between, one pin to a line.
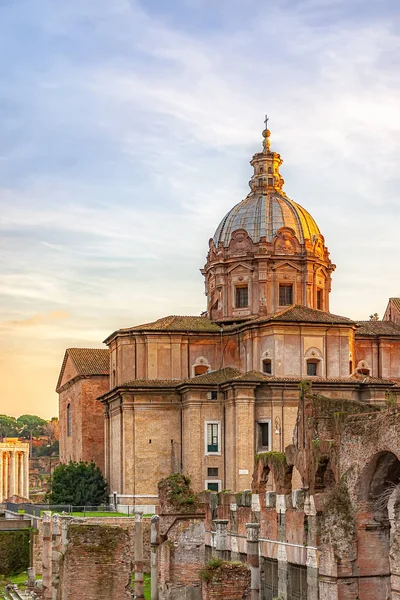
pixel 8 426
pixel 30 425
pixel 79 484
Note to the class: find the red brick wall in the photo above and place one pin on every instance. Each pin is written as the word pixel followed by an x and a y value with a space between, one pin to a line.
pixel 93 419
pixel 86 441
pixel 96 564
pixel 231 581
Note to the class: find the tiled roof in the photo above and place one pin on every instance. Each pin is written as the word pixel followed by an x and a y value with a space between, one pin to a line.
pixel 214 377
pixel 395 302
pixel 179 323
pixel 311 315
pixel 377 328
pixel 87 361
pixel 90 361
pixel 152 383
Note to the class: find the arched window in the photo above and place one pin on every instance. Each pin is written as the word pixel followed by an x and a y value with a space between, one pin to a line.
pixel 267 366
pixel 261 170
pixel 69 420
pixel 269 169
pixel 200 370
pixel 363 368
pixel 201 366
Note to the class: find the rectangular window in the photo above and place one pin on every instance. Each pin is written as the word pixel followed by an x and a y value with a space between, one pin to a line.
pixel 319 300
pixel 270 181
pixel 242 297
pixel 213 438
pixel 69 420
pixel 213 486
pixel 212 472
pixel 214 395
pixel 311 368
pixel 285 294
pixel 264 431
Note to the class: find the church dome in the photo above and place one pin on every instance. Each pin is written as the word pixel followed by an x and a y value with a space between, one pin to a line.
pixel 267 208
pixel 263 215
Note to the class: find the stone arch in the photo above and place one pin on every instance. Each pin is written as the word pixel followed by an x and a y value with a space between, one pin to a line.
pixel 272 468
pixel 378 481
pixel 380 475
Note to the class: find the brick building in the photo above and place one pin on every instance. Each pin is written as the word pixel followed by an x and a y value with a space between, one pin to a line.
pixel 83 378
pixel 204 394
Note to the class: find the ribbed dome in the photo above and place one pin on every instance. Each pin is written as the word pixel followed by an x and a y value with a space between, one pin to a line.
pixel 263 215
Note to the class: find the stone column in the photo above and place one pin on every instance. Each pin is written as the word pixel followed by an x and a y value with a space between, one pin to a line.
pixel 138 556
pixel 282 555
pixel 1 476
pixel 26 474
pixel 221 538
pixel 46 557
pixel 12 472
pixel 6 476
pixel 154 542
pixel 56 555
pixel 20 473
pixel 253 558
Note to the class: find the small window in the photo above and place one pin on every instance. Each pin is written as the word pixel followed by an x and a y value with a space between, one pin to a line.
pixel 311 368
pixel 212 442
pixel 285 295
pixel 264 434
pixel 69 420
pixel 214 395
pixel 319 300
pixel 269 169
pixel 213 486
pixel 212 472
pixel 270 181
pixel 267 366
pixel 260 181
pixel 351 367
pixel 261 170
pixel 242 297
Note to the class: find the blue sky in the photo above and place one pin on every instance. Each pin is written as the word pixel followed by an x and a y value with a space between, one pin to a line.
pixel 125 134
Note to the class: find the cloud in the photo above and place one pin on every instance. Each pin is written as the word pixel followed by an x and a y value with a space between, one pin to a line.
pixel 38 319
pixel 127 128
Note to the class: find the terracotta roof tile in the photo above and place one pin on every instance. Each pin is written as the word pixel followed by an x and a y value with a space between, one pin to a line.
pixel 179 323
pixel 214 377
pixel 152 383
pixel 372 328
pixel 395 302
pixel 90 361
pixel 310 315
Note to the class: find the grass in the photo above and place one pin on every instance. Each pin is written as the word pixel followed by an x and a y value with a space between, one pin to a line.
pixel 18 579
pixel 147 585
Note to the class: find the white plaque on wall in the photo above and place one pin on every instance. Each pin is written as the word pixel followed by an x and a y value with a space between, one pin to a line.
pixel 243 471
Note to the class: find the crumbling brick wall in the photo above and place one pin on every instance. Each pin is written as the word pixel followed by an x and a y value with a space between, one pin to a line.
pixel 230 581
pixel 96 564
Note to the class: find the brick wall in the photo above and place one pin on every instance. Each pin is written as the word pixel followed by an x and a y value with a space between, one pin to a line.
pixel 231 581
pixel 96 564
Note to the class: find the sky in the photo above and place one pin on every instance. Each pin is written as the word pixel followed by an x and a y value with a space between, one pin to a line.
pixel 126 128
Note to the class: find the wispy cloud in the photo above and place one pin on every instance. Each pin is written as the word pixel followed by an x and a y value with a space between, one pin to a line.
pixel 37 319
pixel 126 133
